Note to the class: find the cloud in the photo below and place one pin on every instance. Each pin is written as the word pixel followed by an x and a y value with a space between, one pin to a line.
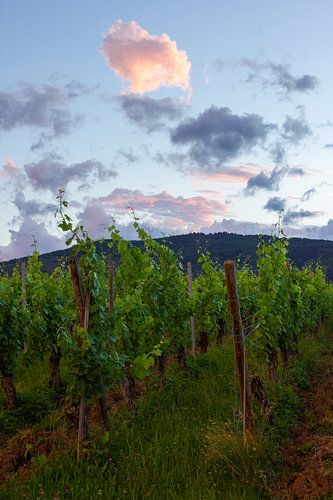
pixel 328 146
pixel 247 227
pixel 295 129
pixel 146 61
pixel 176 160
pixel 270 74
pixel 96 219
pixel 292 216
pixel 270 181
pixel 43 107
pixel 21 240
pixel 128 155
pixel 217 135
pixel 52 173
pixel 12 175
pixel 296 171
pixel 149 113
pixel 164 211
pixel 307 195
pixel 238 227
pixel 291 133
pixel 322 232
pixel 236 174
pixel 275 204
pixel 9 168
pixel 30 208
pixel 278 152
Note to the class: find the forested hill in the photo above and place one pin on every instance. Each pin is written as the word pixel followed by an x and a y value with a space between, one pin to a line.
pixel 222 246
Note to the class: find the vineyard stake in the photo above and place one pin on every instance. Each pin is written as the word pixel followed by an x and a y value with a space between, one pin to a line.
pixel 78 292
pixel 239 344
pixel 82 307
pixel 24 294
pixel 190 291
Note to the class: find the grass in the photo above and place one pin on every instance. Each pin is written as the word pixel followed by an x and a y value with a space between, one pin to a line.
pixel 182 443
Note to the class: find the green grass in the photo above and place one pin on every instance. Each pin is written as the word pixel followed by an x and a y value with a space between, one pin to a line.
pixel 182 443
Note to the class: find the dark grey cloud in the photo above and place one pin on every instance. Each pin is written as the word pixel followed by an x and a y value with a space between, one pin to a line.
pixel 270 181
pixel 296 171
pixel 30 208
pixel 329 146
pixel 278 152
pixel 307 195
pixel 45 107
pixel 128 155
pixel 270 74
pixel 151 114
pixel 275 204
pixel 294 130
pixel 217 135
pixel 51 173
pixel 176 160
pixel 292 216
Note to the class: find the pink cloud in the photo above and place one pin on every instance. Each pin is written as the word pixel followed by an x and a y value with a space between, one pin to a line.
pixel 241 173
pixel 232 175
pixel 169 213
pixel 146 61
pixel 9 168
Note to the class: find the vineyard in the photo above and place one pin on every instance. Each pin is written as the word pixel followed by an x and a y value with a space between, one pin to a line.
pixel 100 326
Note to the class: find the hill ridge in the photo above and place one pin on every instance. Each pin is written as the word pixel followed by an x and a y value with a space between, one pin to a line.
pixel 222 246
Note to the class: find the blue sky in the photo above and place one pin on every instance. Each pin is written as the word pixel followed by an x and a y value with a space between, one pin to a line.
pixel 236 125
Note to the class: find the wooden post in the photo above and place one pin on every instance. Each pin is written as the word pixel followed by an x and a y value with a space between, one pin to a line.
pixel 82 305
pixel 111 286
pixel 24 295
pixel 189 290
pixel 78 292
pixel 239 345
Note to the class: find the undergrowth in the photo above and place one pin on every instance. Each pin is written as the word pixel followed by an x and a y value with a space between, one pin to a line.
pixel 182 443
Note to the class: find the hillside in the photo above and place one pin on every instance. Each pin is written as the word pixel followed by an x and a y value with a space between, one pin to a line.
pixel 222 246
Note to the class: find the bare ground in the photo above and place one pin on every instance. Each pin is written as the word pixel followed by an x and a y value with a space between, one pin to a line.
pixel 309 457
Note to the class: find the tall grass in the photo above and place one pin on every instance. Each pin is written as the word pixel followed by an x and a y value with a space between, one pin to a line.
pixel 182 443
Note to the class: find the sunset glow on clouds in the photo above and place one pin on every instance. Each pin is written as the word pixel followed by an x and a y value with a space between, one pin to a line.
pixel 179 212
pixel 233 175
pixel 9 167
pixel 109 119
pixel 146 61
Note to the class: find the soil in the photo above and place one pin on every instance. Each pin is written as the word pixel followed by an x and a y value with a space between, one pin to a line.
pixel 18 451
pixel 309 457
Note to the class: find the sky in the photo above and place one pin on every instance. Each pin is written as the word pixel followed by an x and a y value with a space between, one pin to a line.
pixel 196 116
